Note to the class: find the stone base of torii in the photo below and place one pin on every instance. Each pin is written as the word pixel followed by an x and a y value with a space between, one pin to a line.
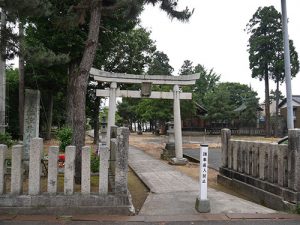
pixel 146 81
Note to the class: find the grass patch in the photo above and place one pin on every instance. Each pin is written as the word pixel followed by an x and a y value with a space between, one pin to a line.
pixel 139 192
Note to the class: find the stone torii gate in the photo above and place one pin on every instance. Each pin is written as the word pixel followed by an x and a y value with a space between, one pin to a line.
pixel 146 81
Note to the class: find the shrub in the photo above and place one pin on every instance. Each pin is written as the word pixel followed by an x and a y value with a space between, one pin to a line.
pixel 6 139
pixel 64 135
pixel 298 208
pixel 95 163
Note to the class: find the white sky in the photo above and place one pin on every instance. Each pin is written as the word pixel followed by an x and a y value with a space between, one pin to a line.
pixel 215 37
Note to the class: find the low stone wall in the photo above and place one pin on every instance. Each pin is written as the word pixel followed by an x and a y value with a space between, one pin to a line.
pixel 217 131
pixel 269 173
pixel 116 201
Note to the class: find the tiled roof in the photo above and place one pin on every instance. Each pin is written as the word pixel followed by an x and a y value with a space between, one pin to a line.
pixel 296 98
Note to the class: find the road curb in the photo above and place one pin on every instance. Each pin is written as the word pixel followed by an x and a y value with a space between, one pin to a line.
pixel 167 218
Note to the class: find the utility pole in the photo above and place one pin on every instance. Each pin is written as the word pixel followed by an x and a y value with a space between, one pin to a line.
pixel 2 76
pixel 287 65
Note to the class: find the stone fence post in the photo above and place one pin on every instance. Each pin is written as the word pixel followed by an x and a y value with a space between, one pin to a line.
pixel 69 170
pixel 122 160
pixel 52 169
pixel 104 157
pixel 16 170
pixel 225 137
pixel 86 170
pixel 35 169
pixel 294 159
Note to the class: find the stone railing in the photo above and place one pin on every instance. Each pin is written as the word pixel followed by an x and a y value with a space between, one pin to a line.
pixel 110 198
pixel 268 172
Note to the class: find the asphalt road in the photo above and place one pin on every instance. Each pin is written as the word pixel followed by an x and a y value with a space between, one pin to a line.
pixel 235 222
pixel 214 156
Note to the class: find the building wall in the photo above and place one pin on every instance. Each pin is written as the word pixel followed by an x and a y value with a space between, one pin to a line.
pixel 297 122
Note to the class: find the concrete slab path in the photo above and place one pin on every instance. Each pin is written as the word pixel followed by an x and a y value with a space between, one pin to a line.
pixel 174 193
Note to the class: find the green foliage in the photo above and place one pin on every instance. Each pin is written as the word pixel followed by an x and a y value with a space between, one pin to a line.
pixel 298 208
pixel 160 64
pixel 186 68
pixel 123 49
pixel 12 86
pixel 6 139
pixel 169 6
pixel 265 40
pixel 16 11
pixel 130 53
pixel 266 53
pixel 223 101
pixel 219 106
pixel 64 135
pixel 22 9
pixel 95 159
pixel 274 93
pixel 207 81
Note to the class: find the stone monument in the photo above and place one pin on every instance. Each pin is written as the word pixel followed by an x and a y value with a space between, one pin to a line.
pixel 31 119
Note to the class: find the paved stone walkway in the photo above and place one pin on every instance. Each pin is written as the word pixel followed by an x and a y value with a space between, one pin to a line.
pixel 174 193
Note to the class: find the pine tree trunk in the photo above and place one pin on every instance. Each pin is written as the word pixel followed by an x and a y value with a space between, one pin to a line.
pixel 49 116
pixel 277 99
pixel 73 70
pixel 276 127
pixel 97 122
pixel 80 85
pixel 21 83
pixel 267 106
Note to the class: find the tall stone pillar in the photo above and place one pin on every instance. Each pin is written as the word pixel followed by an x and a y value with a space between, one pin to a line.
pixel 31 119
pixel 112 110
pixel 121 176
pixel 179 160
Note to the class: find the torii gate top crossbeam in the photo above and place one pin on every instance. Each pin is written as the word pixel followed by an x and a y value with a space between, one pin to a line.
pixel 104 76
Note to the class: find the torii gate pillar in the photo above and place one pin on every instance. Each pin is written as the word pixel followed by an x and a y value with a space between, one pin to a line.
pixel 111 110
pixel 177 129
